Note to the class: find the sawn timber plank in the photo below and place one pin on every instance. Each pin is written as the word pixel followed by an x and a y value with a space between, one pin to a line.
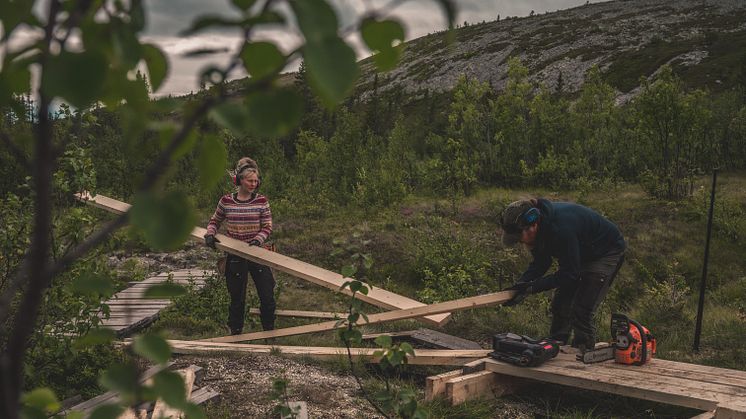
pixel 317 275
pixel 421 356
pixel 600 378
pixel 444 307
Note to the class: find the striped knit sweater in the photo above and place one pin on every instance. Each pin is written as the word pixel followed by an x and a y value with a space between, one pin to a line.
pixel 244 220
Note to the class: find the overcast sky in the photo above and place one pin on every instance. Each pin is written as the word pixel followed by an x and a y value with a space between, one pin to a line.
pixel 166 18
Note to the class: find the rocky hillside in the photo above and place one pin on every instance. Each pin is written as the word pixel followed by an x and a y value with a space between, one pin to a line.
pixel 703 40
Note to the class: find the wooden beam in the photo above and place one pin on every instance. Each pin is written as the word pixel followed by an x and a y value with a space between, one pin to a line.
pixel 317 275
pixel 472 386
pixel 430 338
pixel 444 307
pixel 421 356
pixel 435 385
pixel 305 314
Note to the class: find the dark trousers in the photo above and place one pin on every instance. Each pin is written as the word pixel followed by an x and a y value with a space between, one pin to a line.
pixel 574 306
pixel 237 271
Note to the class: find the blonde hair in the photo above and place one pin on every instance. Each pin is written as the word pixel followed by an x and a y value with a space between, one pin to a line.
pixel 246 164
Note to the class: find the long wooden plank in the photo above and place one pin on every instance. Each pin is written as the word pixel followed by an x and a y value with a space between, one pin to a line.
pixel 421 357
pixel 715 376
pixel 444 307
pixel 304 314
pixel 597 377
pixel 317 275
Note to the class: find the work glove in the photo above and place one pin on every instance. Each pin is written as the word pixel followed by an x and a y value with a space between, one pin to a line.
pixel 254 242
pixel 210 240
pixel 522 289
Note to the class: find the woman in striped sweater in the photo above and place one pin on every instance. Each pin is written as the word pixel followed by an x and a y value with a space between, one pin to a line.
pixel 247 217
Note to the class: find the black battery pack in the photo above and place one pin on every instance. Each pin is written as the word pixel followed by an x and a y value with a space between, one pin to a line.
pixel 523 350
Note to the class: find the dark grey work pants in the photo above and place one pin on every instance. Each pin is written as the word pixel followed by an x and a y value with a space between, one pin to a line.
pixel 574 306
pixel 237 271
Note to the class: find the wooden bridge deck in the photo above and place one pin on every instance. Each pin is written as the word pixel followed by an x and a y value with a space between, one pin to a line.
pixel 719 391
pixel 131 310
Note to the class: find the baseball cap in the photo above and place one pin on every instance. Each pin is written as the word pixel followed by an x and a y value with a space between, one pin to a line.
pixel 509 221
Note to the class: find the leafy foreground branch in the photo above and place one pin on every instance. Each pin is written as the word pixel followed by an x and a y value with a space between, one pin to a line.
pixel 85 55
pixel 388 401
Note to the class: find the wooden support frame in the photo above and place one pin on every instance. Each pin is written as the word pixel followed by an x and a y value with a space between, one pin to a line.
pixel 317 275
pixel 87 406
pixel 470 382
pixel 421 356
pixel 444 307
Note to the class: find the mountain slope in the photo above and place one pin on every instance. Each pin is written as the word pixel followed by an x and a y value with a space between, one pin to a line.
pixel 704 41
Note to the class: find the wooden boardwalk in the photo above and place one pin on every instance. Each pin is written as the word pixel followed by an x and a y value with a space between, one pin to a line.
pixel 720 392
pixel 131 310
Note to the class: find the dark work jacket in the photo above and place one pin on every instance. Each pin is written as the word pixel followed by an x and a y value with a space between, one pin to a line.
pixel 574 235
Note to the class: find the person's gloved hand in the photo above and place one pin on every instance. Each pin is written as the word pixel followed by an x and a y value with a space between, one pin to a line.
pixel 254 242
pixel 210 240
pixel 522 289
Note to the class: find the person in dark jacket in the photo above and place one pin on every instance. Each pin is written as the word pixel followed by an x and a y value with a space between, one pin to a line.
pixel 589 250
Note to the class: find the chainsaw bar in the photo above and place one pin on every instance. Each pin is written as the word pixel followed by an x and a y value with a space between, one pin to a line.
pixel 596 355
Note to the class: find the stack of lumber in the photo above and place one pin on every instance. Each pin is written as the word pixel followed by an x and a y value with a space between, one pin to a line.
pixel 192 377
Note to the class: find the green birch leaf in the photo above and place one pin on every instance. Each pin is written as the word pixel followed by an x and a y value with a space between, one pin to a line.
pixel 193 411
pixel 107 411
pixel 95 337
pixel 165 220
pixel 13 80
pixel 121 378
pixel 77 78
pixel 170 387
pixel 348 271
pixel 42 399
pixel 211 160
pixel 384 341
pixel 262 59
pixel 332 69
pixel 90 283
pixel 274 113
pixel 231 116
pixel 157 65
pixel 381 35
pixel 243 4
pixel 152 347
pixel 316 19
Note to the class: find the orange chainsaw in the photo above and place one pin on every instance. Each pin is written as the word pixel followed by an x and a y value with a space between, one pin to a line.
pixel 634 345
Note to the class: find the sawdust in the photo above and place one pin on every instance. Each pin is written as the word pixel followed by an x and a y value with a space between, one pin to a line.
pixel 245 385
